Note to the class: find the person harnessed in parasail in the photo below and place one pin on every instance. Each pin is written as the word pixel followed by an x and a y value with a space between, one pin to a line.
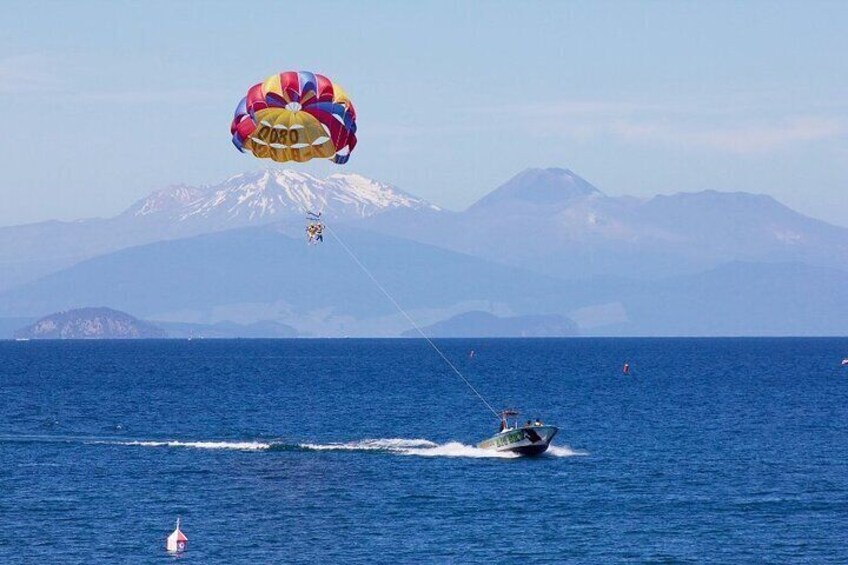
pixel 314 229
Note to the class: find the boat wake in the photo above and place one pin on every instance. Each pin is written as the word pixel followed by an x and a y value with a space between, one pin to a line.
pixel 393 446
pixel 419 447
pixel 396 446
pixel 234 445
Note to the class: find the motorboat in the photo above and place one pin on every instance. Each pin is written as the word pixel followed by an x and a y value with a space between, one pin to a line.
pixel 532 438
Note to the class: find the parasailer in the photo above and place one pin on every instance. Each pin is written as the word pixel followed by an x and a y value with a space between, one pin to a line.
pixel 314 233
pixel 314 228
pixel 295 116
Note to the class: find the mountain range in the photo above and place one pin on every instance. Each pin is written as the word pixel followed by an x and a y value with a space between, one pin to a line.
pixel 30 251
pixel 546 243
pixel 554 222
pixel 484 324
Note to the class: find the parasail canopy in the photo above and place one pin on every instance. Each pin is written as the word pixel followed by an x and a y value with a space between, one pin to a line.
pixel 295 116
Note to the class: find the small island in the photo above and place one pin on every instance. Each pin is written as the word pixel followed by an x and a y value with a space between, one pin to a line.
pixel 90 323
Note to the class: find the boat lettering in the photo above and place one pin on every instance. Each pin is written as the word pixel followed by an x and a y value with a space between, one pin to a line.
pixel 507 439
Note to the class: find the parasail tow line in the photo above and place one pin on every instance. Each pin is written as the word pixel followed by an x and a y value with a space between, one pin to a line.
pixel 409 318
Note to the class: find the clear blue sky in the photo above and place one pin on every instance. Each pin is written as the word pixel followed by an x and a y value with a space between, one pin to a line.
pixel 104 102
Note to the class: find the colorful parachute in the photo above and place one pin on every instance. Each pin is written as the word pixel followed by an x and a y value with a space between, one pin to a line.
pixel 295 116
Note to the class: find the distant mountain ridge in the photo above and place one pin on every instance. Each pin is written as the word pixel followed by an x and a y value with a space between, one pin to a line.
pixel 30 251
pixel 554 222
pixel 228 330
pixel 485 324
pixel 546 243
pixel 547 220
pixel 260 274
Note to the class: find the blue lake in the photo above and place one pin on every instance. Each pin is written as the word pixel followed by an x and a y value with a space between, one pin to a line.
pixel 317 451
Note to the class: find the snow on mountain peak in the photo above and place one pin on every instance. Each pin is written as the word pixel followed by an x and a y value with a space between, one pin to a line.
pixel 166 199
pixel 272 193
pixel 356 189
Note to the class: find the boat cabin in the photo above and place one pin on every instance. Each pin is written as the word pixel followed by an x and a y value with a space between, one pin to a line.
pixel 509 421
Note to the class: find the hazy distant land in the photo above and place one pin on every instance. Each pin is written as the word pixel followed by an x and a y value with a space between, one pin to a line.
pixel 230 260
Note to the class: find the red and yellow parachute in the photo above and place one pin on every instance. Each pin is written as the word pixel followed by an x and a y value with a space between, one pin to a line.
pixel 295 116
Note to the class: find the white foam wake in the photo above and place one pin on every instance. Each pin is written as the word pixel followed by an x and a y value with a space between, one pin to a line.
pixel 386 444
pixel 564 451
pixel 456 449
pixel 398 446
pixel 237 445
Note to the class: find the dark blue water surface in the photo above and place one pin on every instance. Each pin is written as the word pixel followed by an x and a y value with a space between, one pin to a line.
pixel 722 450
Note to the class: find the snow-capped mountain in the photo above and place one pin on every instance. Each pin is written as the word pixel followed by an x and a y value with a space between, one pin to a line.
pixel 549 221
pixel 274 195
pixel 523 250
pixel 254 198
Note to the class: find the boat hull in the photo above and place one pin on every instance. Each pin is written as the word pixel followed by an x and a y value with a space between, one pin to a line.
pixel 530 440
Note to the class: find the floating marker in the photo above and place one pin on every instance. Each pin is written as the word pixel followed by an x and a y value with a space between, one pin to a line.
pixel 626 369
pixel 177 540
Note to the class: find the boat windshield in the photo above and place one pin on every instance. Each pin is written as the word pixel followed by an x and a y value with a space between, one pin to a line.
pixel 506 416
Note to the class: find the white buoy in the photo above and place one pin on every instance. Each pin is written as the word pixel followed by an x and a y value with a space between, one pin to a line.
pixel 177 540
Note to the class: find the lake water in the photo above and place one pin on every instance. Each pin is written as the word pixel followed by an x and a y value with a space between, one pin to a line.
pixel 319 451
